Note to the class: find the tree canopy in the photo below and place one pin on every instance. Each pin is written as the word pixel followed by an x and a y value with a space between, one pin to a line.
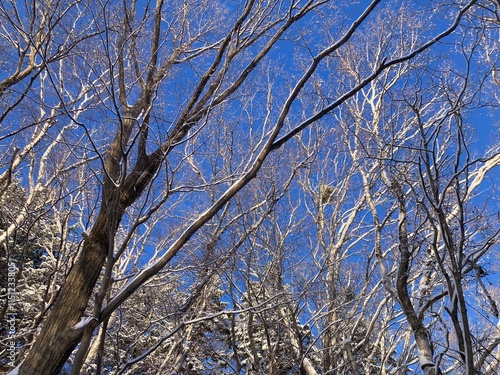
pixel 249 187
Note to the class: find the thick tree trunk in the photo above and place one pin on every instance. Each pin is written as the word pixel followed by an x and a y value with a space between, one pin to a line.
pixel 59 336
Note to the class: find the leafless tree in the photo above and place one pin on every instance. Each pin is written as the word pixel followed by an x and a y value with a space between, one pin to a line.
pixel 413 146
pixel 155 115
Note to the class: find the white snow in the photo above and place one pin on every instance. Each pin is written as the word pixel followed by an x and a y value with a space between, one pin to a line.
pixel 15 371
pixel 424 359
pixel 82 323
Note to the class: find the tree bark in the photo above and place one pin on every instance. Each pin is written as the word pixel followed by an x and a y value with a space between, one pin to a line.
pixel 59 336
pixel 424 347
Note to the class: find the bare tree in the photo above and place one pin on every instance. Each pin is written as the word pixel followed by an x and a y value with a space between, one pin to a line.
pixel 144 106
pixel 412 144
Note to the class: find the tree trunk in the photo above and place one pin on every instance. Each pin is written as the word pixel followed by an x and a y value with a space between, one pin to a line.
pixel 59 336
pixel 424 347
